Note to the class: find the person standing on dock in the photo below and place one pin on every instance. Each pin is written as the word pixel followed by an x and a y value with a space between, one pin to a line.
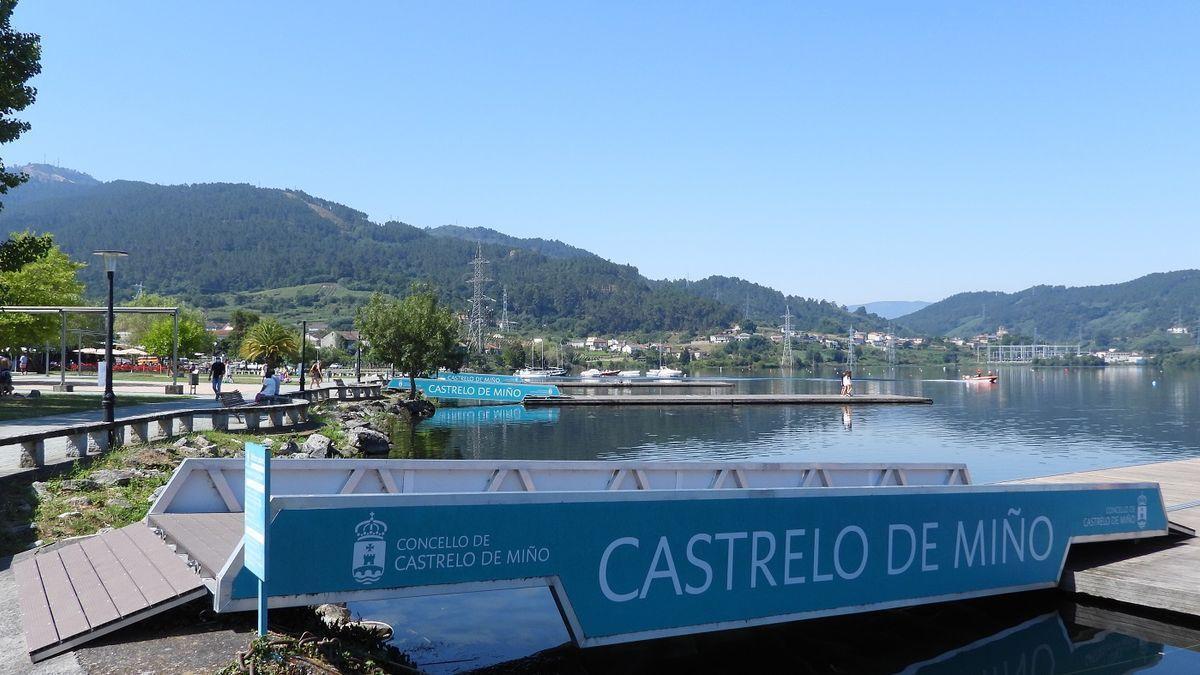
pixel 847 384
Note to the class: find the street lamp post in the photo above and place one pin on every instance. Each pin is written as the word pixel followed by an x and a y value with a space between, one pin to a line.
pixel 110 399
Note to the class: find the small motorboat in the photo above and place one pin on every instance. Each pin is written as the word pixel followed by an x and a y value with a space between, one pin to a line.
pixel 609 373
pixel 629 373
pixel 664 373
pixel 591 373
pixel 982 378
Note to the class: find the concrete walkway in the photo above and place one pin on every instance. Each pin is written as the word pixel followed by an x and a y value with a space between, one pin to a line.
pixel 56 448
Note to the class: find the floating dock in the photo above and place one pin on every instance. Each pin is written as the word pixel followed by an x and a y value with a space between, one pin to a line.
pixel 1162 574
pixel 725 399
pixel 642 384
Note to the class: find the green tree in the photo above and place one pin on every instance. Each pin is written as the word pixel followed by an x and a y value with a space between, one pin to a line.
pixel 35 272
pixel 514 355
pixel 270 342
pixel 241 320
pixel 417 334
pixel 193 337
pixel 749 326
pixel 139 325
pixel 20 59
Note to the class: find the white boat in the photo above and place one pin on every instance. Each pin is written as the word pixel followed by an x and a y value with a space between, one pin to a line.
pixel 590 373
pixel 629 373
pixel 541 372
pixel 664 372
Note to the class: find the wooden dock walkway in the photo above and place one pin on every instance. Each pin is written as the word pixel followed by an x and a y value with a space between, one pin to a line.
pixel 83 590
pixel 1159 574
pixel 724 399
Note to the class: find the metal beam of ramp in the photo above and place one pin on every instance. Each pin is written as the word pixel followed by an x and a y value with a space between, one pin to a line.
pixel 84 590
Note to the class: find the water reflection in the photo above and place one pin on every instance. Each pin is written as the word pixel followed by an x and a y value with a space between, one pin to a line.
pixel 520 631
pixel 1033 422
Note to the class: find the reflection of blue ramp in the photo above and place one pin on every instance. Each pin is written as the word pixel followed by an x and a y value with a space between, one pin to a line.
pixel 1042 645
pixel 491 414
pixel 473 390
pixel 654 563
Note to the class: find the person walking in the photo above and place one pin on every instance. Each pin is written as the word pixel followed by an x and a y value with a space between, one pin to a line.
pixel 23 364
pixel 315 374
pixel 218 376
pixel 847 384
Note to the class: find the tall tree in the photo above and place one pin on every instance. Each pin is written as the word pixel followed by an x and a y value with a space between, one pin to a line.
pixel 139 325
pixel 159 339
pixel 270 342
pixel 33 271
pixel 20 59
pixel 417 334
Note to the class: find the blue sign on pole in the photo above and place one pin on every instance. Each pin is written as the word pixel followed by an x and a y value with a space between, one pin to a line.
pixel 257 522
pixel 657 563
pixel 474 390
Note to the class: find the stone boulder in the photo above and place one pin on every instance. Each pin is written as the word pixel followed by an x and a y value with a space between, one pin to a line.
pixel 333 616
pixel 355 423
pixel 368 441
pixel 316 446
pixel 79 485
pixel 111 477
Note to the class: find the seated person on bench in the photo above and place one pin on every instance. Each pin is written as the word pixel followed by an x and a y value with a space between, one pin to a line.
pixel 6 385
pixel 270 387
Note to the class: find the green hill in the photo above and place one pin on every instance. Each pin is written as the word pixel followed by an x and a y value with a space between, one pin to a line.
pixel 1099 314
pixel 766 305
pixel 224 245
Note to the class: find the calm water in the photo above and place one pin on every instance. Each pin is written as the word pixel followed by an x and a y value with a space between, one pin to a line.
pixel 1033 422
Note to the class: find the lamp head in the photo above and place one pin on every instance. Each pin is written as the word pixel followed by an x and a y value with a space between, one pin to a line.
pixel 110 259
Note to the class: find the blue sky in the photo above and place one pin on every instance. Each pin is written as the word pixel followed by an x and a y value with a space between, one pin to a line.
pixel 879 151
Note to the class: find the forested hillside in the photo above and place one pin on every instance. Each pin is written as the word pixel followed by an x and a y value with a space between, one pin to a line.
pixel 1095 313
pixel 766 305
pixel 221 245
pixel 551 248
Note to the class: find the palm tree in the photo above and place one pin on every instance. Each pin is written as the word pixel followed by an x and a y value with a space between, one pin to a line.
pixel 269 341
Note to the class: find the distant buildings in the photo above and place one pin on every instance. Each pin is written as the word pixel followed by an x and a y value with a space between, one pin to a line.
pixel 1115 357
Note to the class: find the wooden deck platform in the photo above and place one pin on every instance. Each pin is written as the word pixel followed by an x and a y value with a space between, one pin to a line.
pixel 207 538
pixel 83 590
pixel 1161 574
pixel 724 399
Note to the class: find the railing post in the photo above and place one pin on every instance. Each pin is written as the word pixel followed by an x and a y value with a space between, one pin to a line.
pixel 77 445
pixel 166 427
pixel 33 454
pixel 141 432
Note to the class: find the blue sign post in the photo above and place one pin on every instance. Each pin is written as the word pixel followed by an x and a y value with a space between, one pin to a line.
pixel 257 516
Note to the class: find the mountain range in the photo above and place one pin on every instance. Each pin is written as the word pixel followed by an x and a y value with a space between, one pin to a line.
pixel 285 252
pixel 1141 307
